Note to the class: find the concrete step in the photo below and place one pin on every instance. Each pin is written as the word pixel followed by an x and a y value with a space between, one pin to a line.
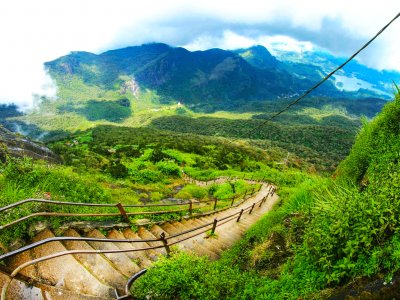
pixel 196 244
pixel 54 293
pixel 17 260
pixel 66 272
pixel 147 235
pixel 157 231
pixel 147 256
pixel 120 260
pixel 115 234
pixel 207 241
pixel 98 264
pixel 19 290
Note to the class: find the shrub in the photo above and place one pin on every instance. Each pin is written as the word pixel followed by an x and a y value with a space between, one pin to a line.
pixel 169 168
pixel 192 191
pixel 186 276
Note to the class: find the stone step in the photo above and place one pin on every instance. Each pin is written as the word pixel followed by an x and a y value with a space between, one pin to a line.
pixel 66 272
pixel 139 257
pixel 98 264
pixel 157 231
pixel 120 260
pixel 54 293
pixel 194 244
pixel 217 242
pixel 17 260
pixel 147 235
pixel 148 255
pixel 18 290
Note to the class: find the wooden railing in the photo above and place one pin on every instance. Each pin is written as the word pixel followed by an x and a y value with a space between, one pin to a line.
pixel 163 240
pixel 122 209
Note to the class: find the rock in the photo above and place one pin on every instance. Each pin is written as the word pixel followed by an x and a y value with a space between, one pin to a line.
pixel 18 146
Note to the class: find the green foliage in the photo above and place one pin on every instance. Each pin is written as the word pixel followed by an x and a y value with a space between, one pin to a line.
pixel 374 140
pixel 192 191
pixel 61 182
pixel 322 145
pixel 169 168
pixel 185 276
pixel 113 111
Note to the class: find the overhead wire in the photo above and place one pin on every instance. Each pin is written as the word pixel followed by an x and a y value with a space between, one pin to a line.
pixel 305 94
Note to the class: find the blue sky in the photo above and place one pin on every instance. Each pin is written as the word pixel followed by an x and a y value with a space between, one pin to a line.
pixel 32 32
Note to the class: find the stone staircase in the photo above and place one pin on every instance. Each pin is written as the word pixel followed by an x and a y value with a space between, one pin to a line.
pixel 103 275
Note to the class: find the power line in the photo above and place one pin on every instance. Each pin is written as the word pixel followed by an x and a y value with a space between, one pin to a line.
pixel 322 80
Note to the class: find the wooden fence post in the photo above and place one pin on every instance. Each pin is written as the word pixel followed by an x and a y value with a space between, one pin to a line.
pixel 233 200
pixel 241 212
pixel 190 207
pixel 251 209
pixel 165 242
pixel 123 212
pixel 214 226
pixel 215 203
pixel 262 201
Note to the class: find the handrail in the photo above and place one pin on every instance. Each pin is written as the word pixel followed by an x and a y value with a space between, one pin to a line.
pixel 88 239
pixel 129 284
pixel 67 238
pixel 121 208
pixel 55 214
pixel 162 239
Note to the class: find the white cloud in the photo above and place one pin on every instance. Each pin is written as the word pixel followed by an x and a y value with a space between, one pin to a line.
pixel 32 32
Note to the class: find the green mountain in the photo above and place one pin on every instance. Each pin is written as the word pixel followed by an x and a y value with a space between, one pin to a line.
pixel 258 56
pixel 217 77
pixel 213 93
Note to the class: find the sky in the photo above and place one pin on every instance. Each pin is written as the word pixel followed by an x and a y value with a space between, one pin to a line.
pixel 33 32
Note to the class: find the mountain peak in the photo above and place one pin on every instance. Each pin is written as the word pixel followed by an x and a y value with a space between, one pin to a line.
pixel 258 56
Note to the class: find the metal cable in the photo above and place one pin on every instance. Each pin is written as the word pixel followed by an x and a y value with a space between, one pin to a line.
pixel 321 81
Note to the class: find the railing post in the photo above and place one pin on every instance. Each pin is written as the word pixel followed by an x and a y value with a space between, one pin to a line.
pixel 215 203
pixel 252 191
pixel 123 212
pixel 190 207
pixel 262 201
pixel 240 215
pixel 214 226
pixel 259 189
pixel 251 209
pixel 165 242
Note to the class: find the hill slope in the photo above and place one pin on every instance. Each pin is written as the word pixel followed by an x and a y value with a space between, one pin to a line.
pixel 213 76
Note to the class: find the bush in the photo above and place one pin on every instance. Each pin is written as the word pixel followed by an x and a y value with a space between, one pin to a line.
pixel 60 181
pixel 186 276
pixel 169 168
pixel 147 176
pixel 192 191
